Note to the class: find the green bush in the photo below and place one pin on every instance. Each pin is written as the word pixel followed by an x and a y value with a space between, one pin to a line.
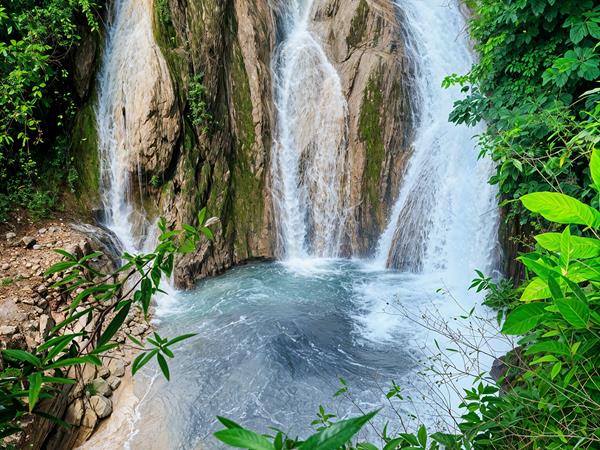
pixel 105 300
pixel 537 58
pixel 198 107
pixel 35 40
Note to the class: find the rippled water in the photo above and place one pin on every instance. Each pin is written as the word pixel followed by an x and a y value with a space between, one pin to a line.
pixel 273 340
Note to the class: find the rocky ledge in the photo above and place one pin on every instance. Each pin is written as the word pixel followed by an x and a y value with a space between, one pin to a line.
pixel 30 308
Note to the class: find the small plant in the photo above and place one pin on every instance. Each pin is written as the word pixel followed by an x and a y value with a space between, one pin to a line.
pixel 199 114
pixel 7 281
pixel 155 182
pixel 164 12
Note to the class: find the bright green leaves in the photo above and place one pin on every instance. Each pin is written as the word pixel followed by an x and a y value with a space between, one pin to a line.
pixel 580 27
pixel 242 438
pixel 574 311
pixel 581 62
pixel 561 208
pixel 160 346
pixel 524 318
pixel 580 247
pixel 335 436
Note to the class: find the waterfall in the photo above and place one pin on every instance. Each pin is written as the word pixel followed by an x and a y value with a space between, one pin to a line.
pixel 122 80
pixel 445 217
pixel 310 161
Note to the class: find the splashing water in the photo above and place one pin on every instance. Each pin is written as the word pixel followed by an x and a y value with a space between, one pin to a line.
pixel 130 47
pixel 310 163
pixel 445 218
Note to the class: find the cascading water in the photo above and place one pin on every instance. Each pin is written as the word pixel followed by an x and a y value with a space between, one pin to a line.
pixel 129 48
pixel 272 339
pixel 445 216
pixel 310 161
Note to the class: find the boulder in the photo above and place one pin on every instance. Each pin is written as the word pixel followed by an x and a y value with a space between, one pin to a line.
pixel 101 405
pixel 113 382
pixel 46 324
pixel 117 367
pixel 100 387
pixel 7 330
pixel 28 242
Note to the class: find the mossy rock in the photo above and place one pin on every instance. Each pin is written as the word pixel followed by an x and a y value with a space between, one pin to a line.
pixel 86 159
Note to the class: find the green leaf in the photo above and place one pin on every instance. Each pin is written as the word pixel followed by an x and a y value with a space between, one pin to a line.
pixel 336 435
pixel 20 355
pixel 555 370
pixel 164 367
pixel 35 387
pixel 581 248
pixel 524 318
pixel 228 423
pixel 422 436
pixel 60 267
pixel 141 360
pixel 595 168
pixel 179 339
pixel 537 289
pixel 202 216
pixel 242 438
pixel 115 324
pixel 561 208
pixel 576 312
pixel 67 362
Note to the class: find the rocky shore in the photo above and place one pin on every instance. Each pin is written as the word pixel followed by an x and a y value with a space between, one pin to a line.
pixel 30 308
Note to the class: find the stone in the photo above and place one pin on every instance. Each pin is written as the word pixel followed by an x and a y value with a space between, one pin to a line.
pixel 85 247
pixel 113 382
pixel 37 247
pixel 42 231
pixel 42 289
pixel 10 236
pixel 117 367
pixel 28 242
pixel 103 372
pixel 75 412
pixel 101 405
pixel 75 250
pixel 5 266
pixel 7 330
pixel 46 324
pixel 100 387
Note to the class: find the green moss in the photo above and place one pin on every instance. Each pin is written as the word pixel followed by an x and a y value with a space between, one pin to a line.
pixel 371 134
pixel 248 202
pixel 358 25
pixel 166 39
pixel 85 157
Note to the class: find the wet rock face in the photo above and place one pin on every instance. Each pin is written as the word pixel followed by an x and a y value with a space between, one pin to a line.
pixel 363 39
pixel 224 50
pixel 223 161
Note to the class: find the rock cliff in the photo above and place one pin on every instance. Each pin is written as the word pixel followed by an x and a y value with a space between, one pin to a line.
pixel 364 41
pixel 207 133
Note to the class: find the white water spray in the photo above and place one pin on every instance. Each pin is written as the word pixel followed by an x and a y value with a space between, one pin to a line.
pixel 310 162
pixel 445 216
pixel 130 47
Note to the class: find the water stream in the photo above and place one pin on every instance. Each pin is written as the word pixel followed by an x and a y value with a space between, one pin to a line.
pixel 122 78
pixel 310 161
pixel 273 338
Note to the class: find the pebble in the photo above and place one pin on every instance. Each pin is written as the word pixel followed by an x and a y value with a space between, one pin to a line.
pixel 10 236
